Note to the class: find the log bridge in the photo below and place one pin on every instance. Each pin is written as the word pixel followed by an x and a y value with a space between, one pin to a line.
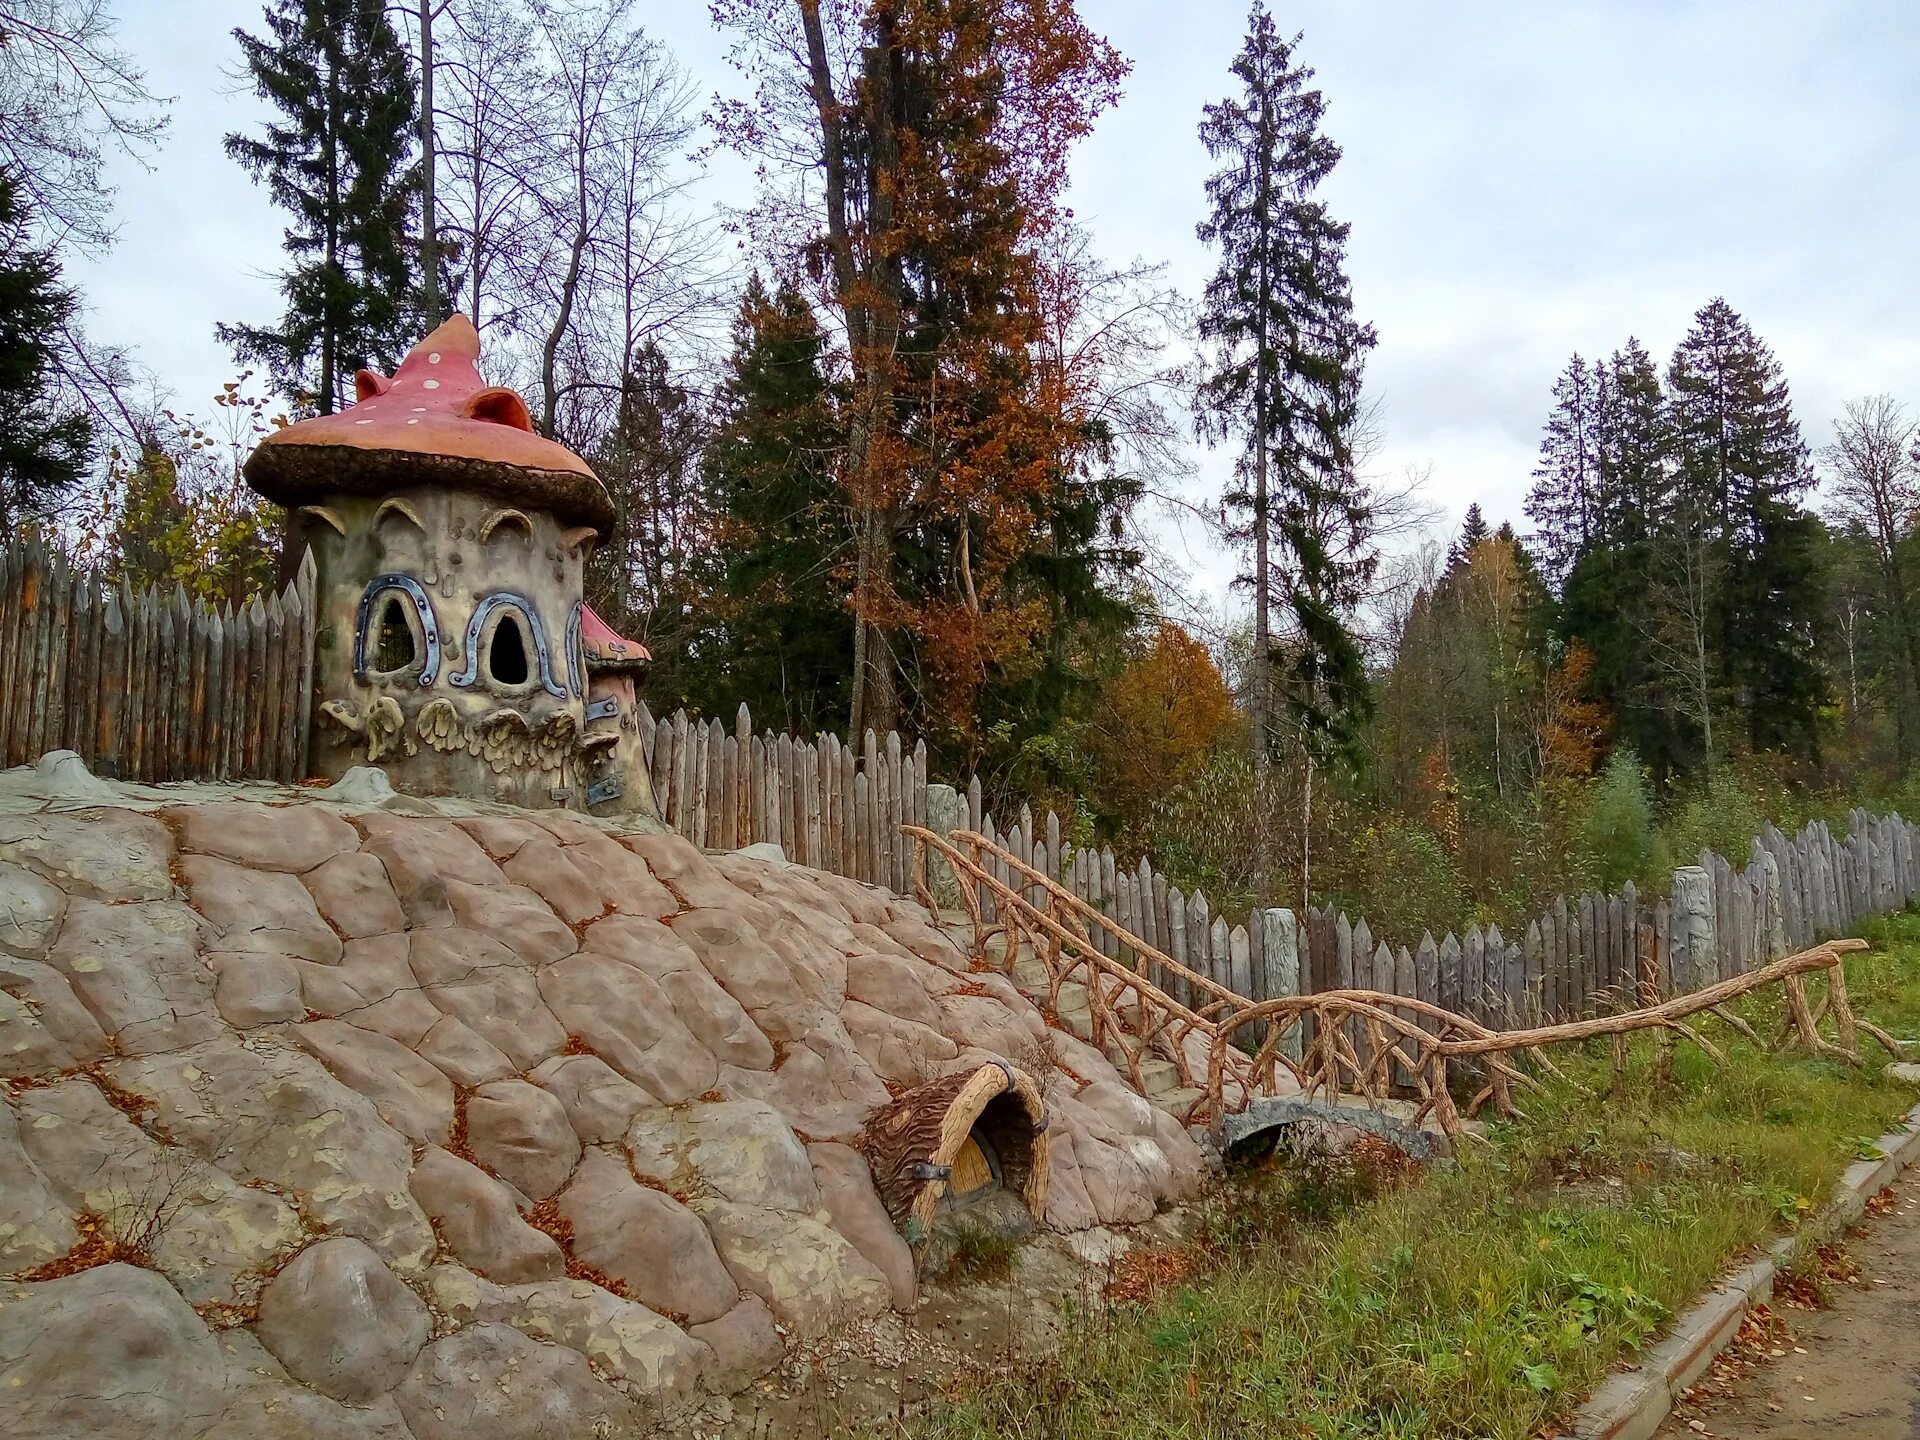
pixel 1229 1051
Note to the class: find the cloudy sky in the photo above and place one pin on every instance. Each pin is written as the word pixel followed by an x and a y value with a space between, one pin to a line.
pixel 1524 180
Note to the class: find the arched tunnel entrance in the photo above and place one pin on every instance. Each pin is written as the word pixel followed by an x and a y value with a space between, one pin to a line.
pixel 967 1149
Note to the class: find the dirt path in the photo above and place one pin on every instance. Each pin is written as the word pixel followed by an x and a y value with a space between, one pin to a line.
pixel 1851 1371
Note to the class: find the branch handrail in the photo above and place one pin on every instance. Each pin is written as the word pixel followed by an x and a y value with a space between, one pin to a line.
pixel 1424 1040
pixel 1082 909
pixel 1020 913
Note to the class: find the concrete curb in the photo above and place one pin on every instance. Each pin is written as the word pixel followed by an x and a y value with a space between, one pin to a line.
pixel 1631 1404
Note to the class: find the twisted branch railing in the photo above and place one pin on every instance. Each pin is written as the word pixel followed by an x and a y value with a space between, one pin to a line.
pixel 1361 1042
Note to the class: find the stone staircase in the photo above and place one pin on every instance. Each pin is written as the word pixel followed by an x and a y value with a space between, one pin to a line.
pixel 1160 1077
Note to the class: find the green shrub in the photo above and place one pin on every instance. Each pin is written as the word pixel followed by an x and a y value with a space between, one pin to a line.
pixel 1404 881
pixel 1618 836
pixel 1722 816
pixel 1204 832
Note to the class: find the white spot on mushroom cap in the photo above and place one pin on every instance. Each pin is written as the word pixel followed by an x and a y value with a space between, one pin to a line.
pixel 430 384
pixel 413 422
pixel 433 358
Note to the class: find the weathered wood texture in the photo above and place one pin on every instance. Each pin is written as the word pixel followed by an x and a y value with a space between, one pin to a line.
pixel 840 807
pixel 151 685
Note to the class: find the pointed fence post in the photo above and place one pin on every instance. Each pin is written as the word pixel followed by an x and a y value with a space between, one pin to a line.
pixel 1696 953
pixel 1280 953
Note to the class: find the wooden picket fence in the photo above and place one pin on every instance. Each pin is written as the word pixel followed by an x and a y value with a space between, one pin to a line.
pixel 147 684
pixel 836 808
pixel 154 686
pixel 821 802
pixel 1586 955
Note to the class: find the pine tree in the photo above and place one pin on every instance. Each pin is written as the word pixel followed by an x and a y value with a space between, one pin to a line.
pixel 45 443
pixel 339 163
pixel 1741 465
pixel 648 579
pixel 1285 382
pixel 1633 449
pixel 1775 601
pixel 1561 503
pixel 1472 531
pixel 781 525
pixel 1736 442
pixel 1605 600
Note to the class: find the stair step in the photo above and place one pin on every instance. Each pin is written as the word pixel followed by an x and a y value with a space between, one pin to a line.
pixel 962 938
pixel 1116 1052
pixel 1158 1077
pixel 1073 1012
pixel 1177 1102
pixel 1030 974
pixel 996 951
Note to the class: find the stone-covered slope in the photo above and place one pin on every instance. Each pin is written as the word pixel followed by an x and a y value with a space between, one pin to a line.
pixel 319 1123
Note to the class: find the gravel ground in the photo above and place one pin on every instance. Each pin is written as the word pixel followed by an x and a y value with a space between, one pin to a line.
pixel 1851 1370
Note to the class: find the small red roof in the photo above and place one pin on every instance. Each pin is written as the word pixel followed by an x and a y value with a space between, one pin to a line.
pixel 436 421
pixel 607 649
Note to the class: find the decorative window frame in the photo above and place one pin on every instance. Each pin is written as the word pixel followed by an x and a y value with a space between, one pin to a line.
pixel 577 649
pixel 420 618
pixel 487 617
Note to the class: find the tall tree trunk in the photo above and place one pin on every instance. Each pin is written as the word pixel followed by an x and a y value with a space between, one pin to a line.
pixel 876 696
pixel 330 325
pixel 869 289
pixel 1703 688
pixel 1261 699
pixel 429 228
pixel 569 289
pixel 562 318
pixel 1306 839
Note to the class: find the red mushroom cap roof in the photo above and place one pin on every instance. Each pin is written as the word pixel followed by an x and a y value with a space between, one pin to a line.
pixel 434 422
pixel 606 648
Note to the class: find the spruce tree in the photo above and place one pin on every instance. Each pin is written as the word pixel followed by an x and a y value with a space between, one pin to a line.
pixel 1472 531
pixel 1633 448
pixel 1605 600
pixel 1285 381
pixel 1741 465
pixel 1561 503
pixel 338 160
pixel 45 442
pixel 648 579
pixel 782 529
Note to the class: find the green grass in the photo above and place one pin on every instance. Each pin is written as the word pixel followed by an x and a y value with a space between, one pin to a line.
pixel 1482 1300
pixel 975 1250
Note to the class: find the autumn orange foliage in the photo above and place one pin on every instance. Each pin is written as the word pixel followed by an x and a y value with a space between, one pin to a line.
pixel 1572 726
pixel 940 131
pixel 1158 723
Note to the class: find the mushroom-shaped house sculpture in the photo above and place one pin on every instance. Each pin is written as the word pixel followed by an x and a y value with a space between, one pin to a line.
pixel 450 542
pixel 959 1142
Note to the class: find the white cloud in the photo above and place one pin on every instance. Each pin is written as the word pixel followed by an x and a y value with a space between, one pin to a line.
pixel 1523 179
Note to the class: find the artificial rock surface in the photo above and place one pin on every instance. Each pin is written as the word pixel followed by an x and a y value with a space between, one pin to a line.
pixel 331 1121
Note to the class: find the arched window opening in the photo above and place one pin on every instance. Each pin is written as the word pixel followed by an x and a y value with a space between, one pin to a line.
pixel 507 648
pixel 394 648
pixel 395 637
pixel 577 649
pixel 507 652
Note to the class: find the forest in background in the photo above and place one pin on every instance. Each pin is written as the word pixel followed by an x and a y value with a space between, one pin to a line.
pixel 888 444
